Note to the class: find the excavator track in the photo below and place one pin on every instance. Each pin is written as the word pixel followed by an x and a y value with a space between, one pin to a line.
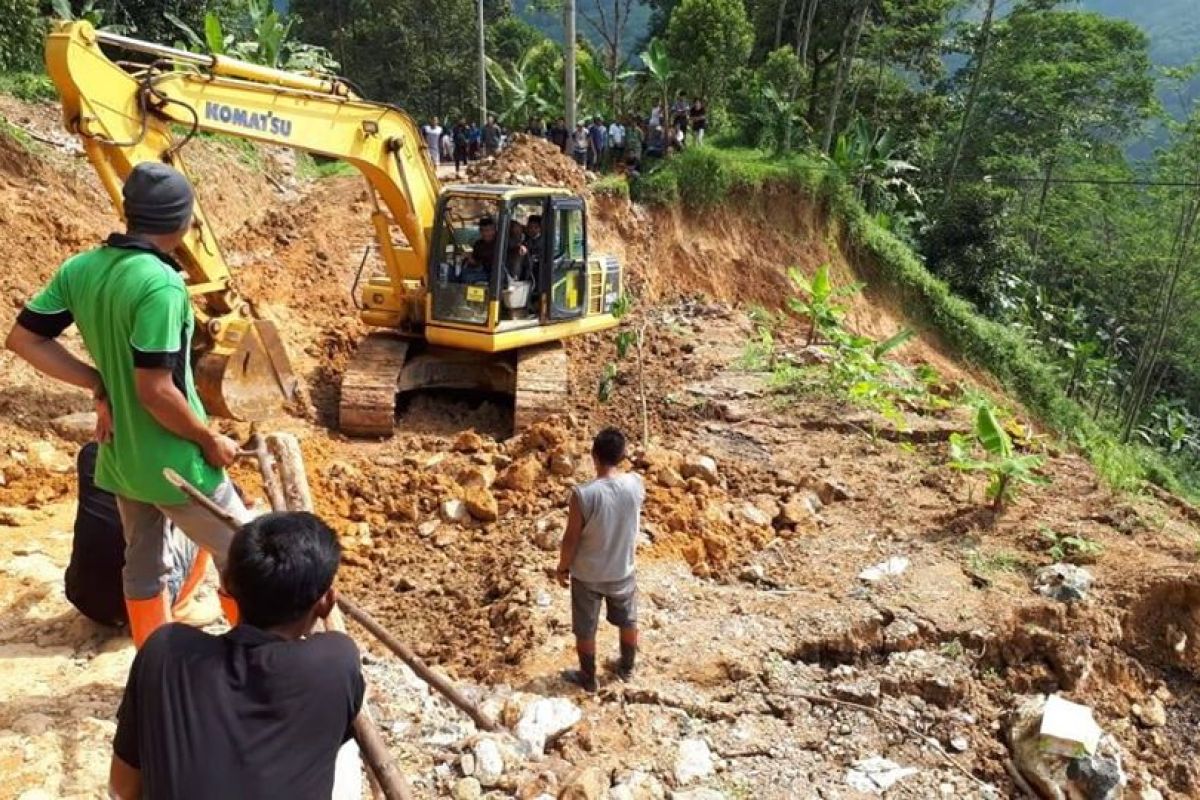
pixel 368 403
pixel 542 388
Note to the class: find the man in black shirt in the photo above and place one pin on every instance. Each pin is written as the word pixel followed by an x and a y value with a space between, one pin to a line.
pixel 93 576
pixel 260 711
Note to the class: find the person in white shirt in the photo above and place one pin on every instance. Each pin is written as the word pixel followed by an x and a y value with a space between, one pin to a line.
pixel 616 142
pixel 433 140
pixel 655 116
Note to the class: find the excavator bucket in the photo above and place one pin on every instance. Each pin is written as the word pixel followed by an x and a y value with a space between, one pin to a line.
pixel 250 380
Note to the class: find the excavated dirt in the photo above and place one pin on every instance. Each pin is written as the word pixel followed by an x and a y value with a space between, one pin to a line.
pixel 749 575
pixel 529 161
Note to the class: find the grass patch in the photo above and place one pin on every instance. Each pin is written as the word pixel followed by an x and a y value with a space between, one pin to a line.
pixel 612 185
pixel 31 87
pixel 991 563
pixel 314 168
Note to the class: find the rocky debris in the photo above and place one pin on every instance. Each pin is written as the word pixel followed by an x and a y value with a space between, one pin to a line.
pixel 454 511
pixel 864 691
pixel 468 789
pixel 489 762
pixel 548 533
pixel 891 568
pixel 698 794
pixel 832 492
pixel 800 510
pixel 876 775
pixel 475 475
pixel 755 515
pixel 585 783
pixel 44 455
pixel 667 477
pixel 481 504
pixel 637 785
pixel 545 719
pixel 901 634
pixel 1059 749
pixel 1151 714
pixel 529 161
pixel 561 463
pixel 932 677
pixel 467 442
pixel 1065 583
pixel 693 761
pixel 702 467
pixel 79 427
pixel 521 475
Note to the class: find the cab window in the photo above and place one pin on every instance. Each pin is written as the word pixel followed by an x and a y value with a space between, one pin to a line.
pixel 466 253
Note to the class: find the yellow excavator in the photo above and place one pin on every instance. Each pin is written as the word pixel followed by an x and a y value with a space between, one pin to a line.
pixel 470 296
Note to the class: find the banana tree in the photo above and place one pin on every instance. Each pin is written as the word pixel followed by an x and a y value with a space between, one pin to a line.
pixel 867 159
pixel 660 70
pixel 1000 463
pixel 523 92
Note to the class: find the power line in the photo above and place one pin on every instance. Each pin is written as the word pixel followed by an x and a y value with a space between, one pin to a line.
pixel 1087 181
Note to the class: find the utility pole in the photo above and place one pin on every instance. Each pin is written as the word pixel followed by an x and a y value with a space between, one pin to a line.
pixel 569 63
pixel 483 114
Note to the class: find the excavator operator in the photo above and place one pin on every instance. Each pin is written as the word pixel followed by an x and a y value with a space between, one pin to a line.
pixel 132 309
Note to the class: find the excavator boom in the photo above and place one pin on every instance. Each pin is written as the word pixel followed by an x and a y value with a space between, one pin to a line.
pixel 125 117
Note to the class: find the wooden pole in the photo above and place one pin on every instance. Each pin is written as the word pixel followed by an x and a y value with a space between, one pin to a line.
pixel 423 671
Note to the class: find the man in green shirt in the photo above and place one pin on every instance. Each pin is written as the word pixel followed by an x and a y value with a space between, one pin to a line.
pixel 132 309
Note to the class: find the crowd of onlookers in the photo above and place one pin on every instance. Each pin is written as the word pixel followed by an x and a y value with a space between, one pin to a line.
pixel 621 143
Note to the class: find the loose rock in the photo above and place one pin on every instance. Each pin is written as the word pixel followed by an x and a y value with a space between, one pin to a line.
pixel 477 476
pixel 79 427
pixel 1066 583
pixel 467 442
pixel 454 511
pixel 481 504
pixel 544 719
pixel 892 568
pixel 703 467
pixel 1152 713
pixel 468 789
pixel 522 475
pixel 489 762
pixel 693 762
pixel 698 794
pixel 876 775
pixel 588 783
pixel 668 478
pixel 832 492
pixel 637 785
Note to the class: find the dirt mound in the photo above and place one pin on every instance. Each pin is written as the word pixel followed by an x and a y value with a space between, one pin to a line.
pixel 529 161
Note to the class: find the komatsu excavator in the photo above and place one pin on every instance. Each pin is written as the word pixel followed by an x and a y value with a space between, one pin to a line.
pixel 469 296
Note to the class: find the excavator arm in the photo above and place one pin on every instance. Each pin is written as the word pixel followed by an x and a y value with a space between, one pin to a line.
pixel 127 114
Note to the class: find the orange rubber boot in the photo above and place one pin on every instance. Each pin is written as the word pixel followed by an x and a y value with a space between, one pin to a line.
pixel 230 607
pixel 186 609
pixel 147 616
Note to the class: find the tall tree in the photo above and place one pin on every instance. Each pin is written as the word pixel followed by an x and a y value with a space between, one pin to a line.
pixel 849 48
pixel 708 40
pixel 979 61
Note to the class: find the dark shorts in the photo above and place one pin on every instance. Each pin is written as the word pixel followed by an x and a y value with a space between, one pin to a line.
pixel 619 597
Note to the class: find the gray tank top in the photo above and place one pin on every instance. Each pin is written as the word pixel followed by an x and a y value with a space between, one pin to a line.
pixel 612 515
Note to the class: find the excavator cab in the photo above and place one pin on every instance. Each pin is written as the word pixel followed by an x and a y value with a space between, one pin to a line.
pixel 506 262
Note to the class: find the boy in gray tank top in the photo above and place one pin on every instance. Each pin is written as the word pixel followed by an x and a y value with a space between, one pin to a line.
pixel 596 559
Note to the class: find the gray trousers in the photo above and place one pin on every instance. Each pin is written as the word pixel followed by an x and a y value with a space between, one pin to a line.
pixel 148 559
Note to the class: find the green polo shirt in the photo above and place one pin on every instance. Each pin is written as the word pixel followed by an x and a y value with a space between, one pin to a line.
pixel 132 309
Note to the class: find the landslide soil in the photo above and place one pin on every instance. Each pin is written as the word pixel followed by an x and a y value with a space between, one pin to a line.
pixel 745 605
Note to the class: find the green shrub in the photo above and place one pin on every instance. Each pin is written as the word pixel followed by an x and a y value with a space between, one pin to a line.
pixel 704 177
pixel 657 188
pixel 21 31
pixel 31 87
pixel 612 185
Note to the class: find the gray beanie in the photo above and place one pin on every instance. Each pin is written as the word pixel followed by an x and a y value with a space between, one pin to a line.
pixel 158 199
